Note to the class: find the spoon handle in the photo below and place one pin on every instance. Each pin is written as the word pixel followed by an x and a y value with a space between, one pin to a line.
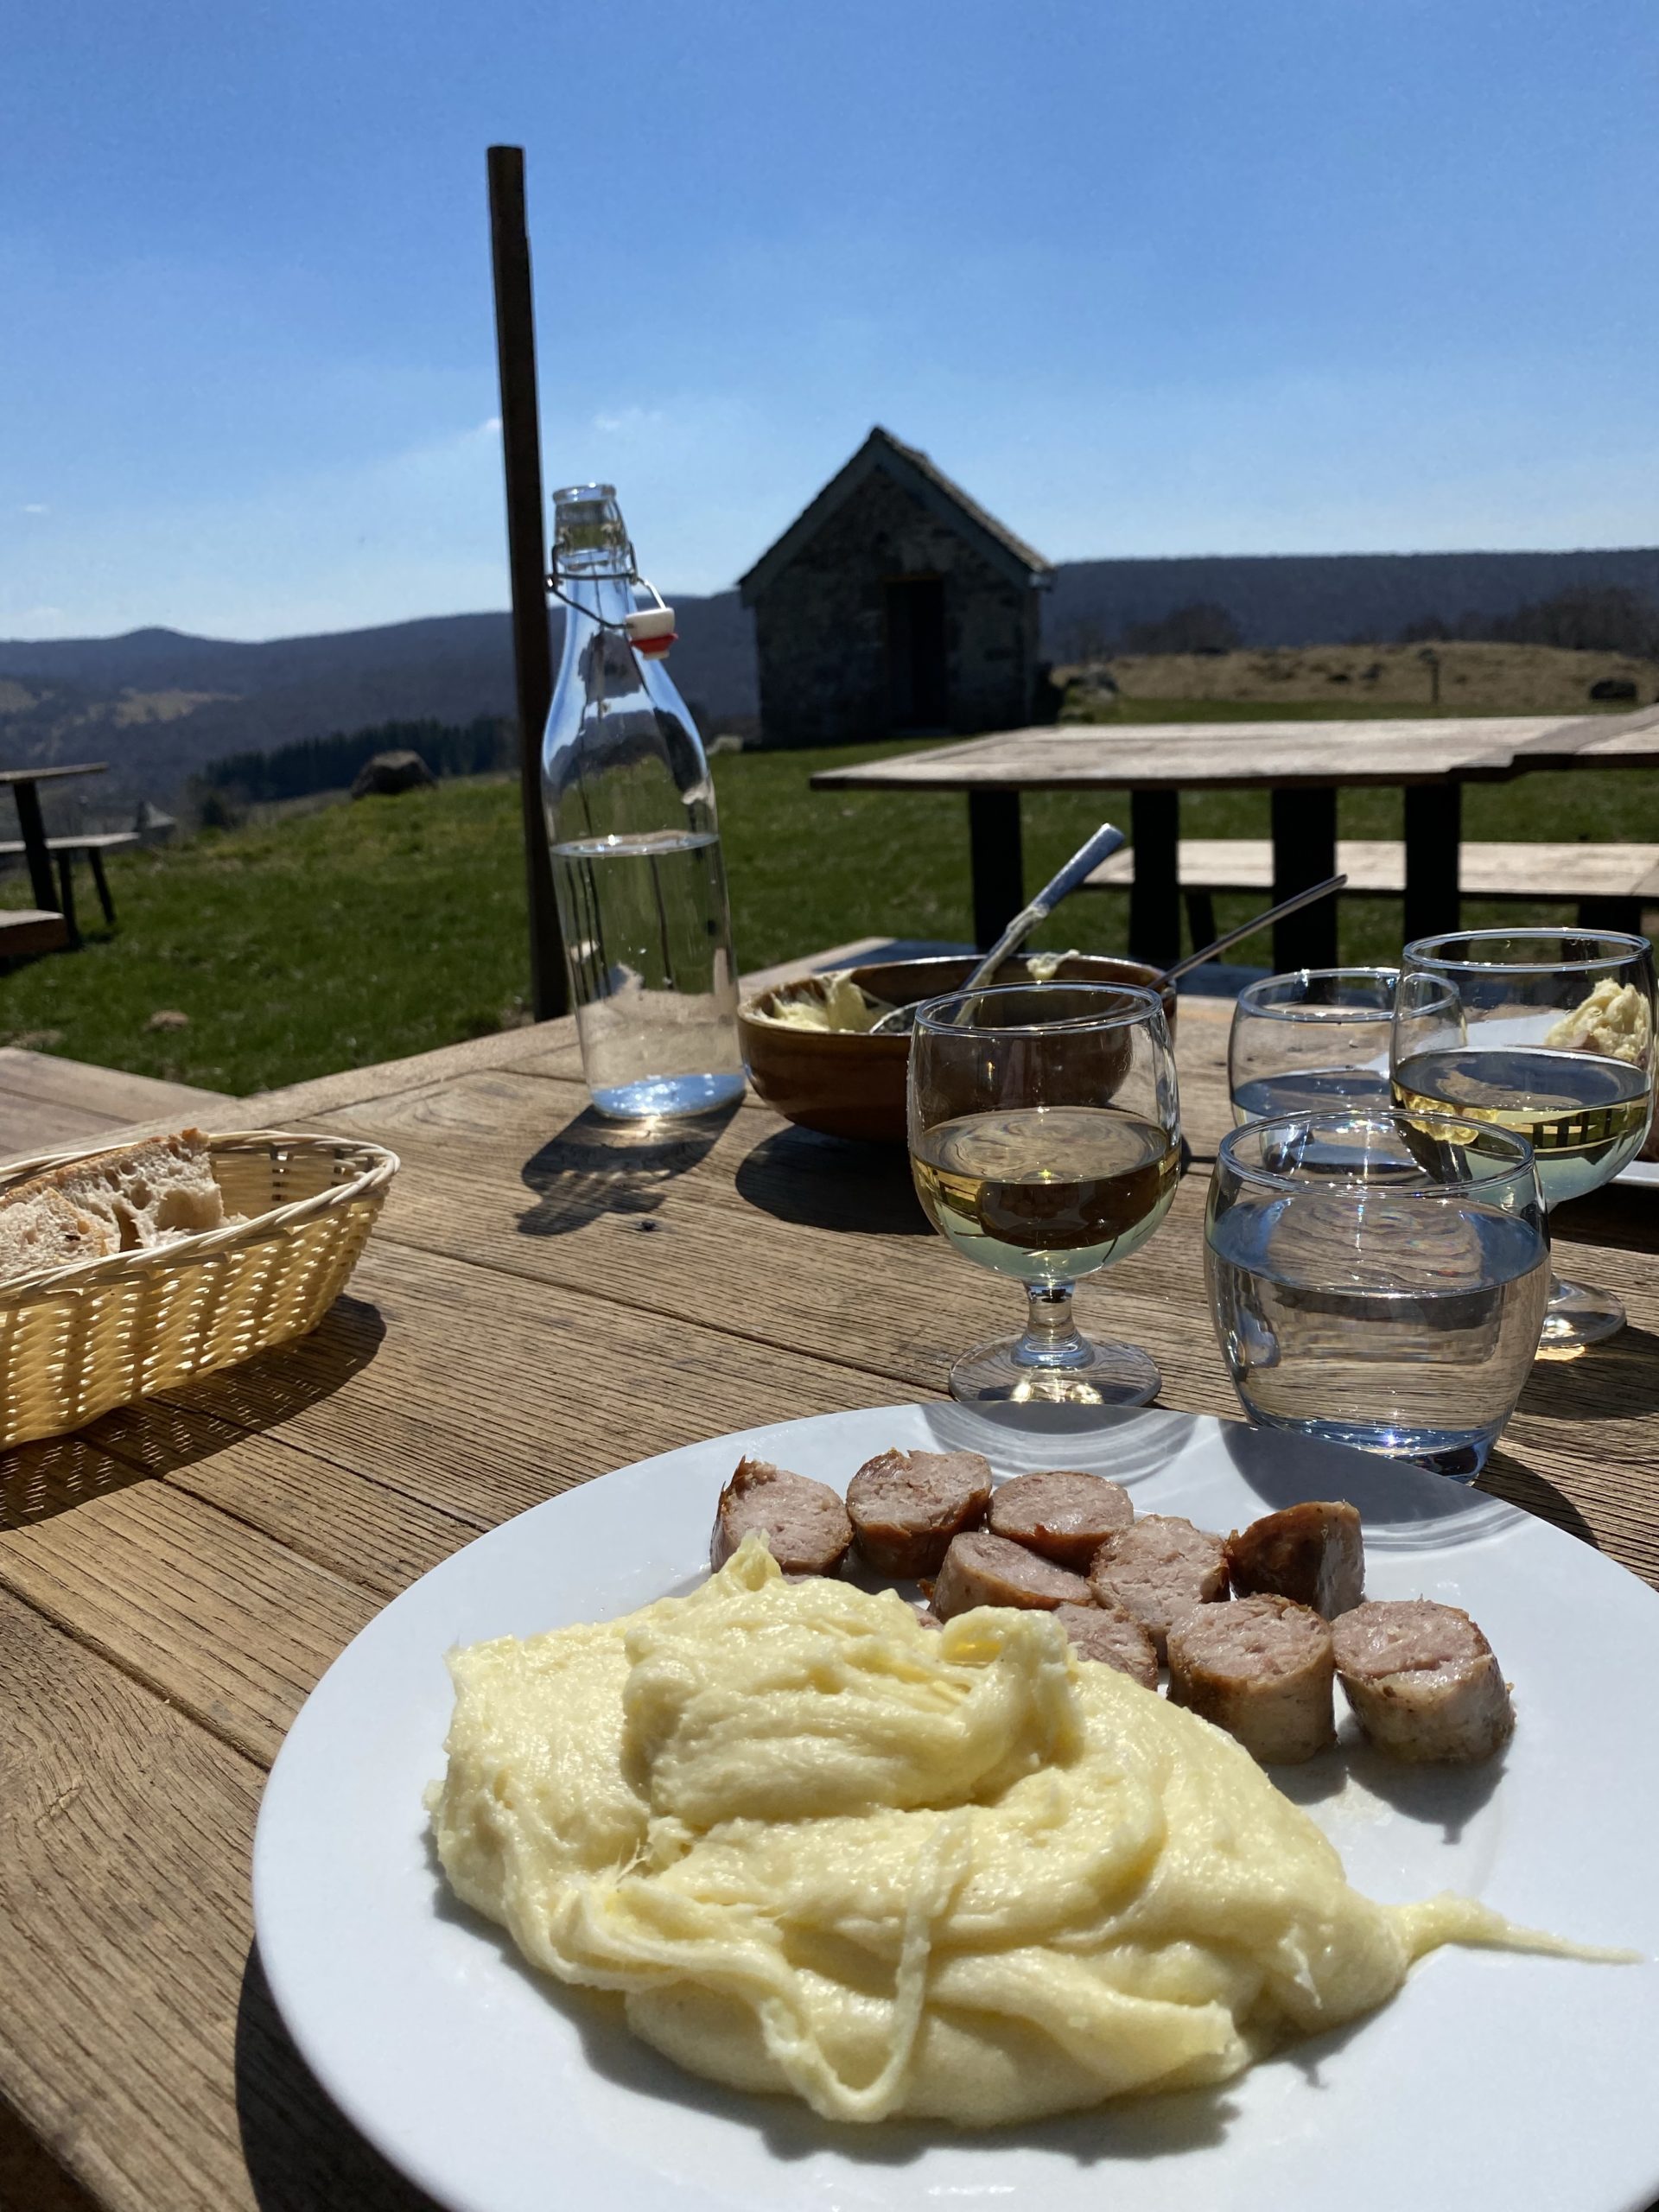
pixel 1087 858
pixel 1249 929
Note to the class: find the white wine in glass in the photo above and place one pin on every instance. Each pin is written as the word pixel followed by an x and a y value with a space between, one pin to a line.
pixel 1548 1034
pixel 1045 1140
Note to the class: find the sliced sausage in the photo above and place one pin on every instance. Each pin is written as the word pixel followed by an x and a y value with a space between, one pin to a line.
pixel 1422 1681
pixel 980 1569
pixel 1113 1637
pixel 1067 1517
pixel 1158 1568
pixel 1263 1669
pixel 805 1524
pixel 1312 1553
pixel 906 1506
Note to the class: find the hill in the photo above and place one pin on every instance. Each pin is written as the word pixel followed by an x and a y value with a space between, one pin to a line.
pixel 158 704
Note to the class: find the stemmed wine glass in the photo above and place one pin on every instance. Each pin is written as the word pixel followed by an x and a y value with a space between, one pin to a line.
pixel 1549 1032
pixel 1045 1140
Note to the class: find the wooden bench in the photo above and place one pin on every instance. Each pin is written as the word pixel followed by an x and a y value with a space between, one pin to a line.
pixel 28 929
pixel 90 846
pixel 1609 884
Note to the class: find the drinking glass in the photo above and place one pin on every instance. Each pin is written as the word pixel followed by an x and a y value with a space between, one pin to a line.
pixel 1548 1032
pixel 1378 1279
pixel 1045 1140
pixel 1310 1041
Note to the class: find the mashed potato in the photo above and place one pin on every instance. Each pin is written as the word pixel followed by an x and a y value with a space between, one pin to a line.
pixel 822 1849
pixel 1614 1021
pixel 838 1004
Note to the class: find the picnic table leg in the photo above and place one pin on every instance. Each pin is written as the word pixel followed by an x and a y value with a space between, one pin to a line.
pixel 67 900
pixel 1434 834
pixel 35 847
pixel 1304 852
pixel 997 863
pixel 1155 888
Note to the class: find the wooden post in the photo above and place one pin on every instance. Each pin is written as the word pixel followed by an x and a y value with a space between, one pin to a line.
pixel 997 862
pixel 527 556
pixel 1433 836
pixel 1155 887
pixel 1304 852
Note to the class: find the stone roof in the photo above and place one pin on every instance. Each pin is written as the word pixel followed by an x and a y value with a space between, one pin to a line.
pixel 926 482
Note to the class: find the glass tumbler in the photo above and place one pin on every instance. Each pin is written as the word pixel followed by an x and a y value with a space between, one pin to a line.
pixel 1378 1280
pixel 1549 1032
pixel 1045 1140
pixel 1310 1041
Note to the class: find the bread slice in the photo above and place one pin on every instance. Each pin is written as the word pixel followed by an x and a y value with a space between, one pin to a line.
pixel 39 1228
pixel 146 1193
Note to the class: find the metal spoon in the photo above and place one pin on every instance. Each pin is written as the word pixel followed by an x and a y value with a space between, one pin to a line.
pixel 1100 847
pixel 1315 891
pixel 904 1017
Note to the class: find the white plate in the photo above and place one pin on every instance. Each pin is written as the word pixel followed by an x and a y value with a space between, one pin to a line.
pixel 1491 2079
pixel 1645 1171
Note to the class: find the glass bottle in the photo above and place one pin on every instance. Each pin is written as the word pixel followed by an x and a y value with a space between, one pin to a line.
pixel 635 847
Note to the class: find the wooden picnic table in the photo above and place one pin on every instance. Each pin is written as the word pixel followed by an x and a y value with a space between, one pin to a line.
pixel 1302 764
pixel 24 784
pixel 546 1295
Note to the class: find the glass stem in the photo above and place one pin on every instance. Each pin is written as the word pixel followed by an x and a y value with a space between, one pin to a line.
pixel 1051 1339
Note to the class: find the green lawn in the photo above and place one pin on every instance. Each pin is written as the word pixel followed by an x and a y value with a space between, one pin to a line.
pixel 370 930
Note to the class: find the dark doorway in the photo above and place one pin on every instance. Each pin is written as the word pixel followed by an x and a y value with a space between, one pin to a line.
pixel 916 686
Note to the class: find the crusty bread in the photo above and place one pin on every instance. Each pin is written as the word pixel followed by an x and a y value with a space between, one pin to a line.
pixel 39 1228
pixel 145 1193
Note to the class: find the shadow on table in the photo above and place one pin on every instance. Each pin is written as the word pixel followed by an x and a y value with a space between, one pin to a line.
pixel 1505 1478
pixel 596 1166
pixel 302 2154
pixel 820 1182
pixel 1615 1381
pixel 139 1443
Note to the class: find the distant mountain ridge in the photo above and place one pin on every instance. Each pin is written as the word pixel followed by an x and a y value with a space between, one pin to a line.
pixel 157 704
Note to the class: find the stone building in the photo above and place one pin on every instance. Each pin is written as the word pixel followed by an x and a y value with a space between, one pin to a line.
pixel 894 605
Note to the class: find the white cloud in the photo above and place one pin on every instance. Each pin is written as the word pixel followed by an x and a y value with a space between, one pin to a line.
pixel 629 420
pixel 34 507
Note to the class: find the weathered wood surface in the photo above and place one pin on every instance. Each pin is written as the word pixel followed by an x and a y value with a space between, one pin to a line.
pixel 1376 866
pixel 53 775
pixel 47 1102
pixel 1241 756
pixel 173 1580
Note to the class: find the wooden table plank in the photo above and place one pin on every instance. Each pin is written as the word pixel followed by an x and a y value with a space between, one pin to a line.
pixel 146 2054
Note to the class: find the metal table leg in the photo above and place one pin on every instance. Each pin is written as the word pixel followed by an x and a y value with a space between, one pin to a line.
pixel 35 847
pixel 998 865
pixel 1304 852
pixel 1433 833
pixel 1155 890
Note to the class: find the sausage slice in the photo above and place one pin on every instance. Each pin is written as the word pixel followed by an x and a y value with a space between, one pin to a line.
pixel 1113 1637
pixel 980 1569
pixel 805 1524
pixel 1158 1568
pixel 1422 1681
pixel 1312 1553
pixel 1067 1517
pixel 906 1506
pixel 1263 1669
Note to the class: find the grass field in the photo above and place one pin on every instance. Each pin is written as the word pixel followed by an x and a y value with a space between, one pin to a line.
pixel 360 932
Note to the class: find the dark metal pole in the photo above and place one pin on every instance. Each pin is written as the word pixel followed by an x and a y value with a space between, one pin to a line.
pixel 521 454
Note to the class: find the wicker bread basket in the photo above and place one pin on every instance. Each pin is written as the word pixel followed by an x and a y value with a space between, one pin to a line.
pixel 76 1341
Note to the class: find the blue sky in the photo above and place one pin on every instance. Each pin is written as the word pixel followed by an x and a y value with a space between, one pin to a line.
pixel 1147 275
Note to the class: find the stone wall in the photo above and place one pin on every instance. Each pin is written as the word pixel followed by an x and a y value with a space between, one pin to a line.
pixel 820 625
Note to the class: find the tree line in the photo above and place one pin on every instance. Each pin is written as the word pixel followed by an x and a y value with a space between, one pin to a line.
pixel 485 745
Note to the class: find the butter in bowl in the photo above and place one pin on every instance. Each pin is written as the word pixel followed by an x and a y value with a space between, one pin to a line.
pixel 811 1056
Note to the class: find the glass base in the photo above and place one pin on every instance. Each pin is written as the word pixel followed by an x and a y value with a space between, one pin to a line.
pixel 1457 1453
pixel 666 1098
pixel 1087 1374
pixel 1576 1318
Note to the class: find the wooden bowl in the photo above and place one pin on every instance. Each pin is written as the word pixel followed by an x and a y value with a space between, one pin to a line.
pixel 851 1086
